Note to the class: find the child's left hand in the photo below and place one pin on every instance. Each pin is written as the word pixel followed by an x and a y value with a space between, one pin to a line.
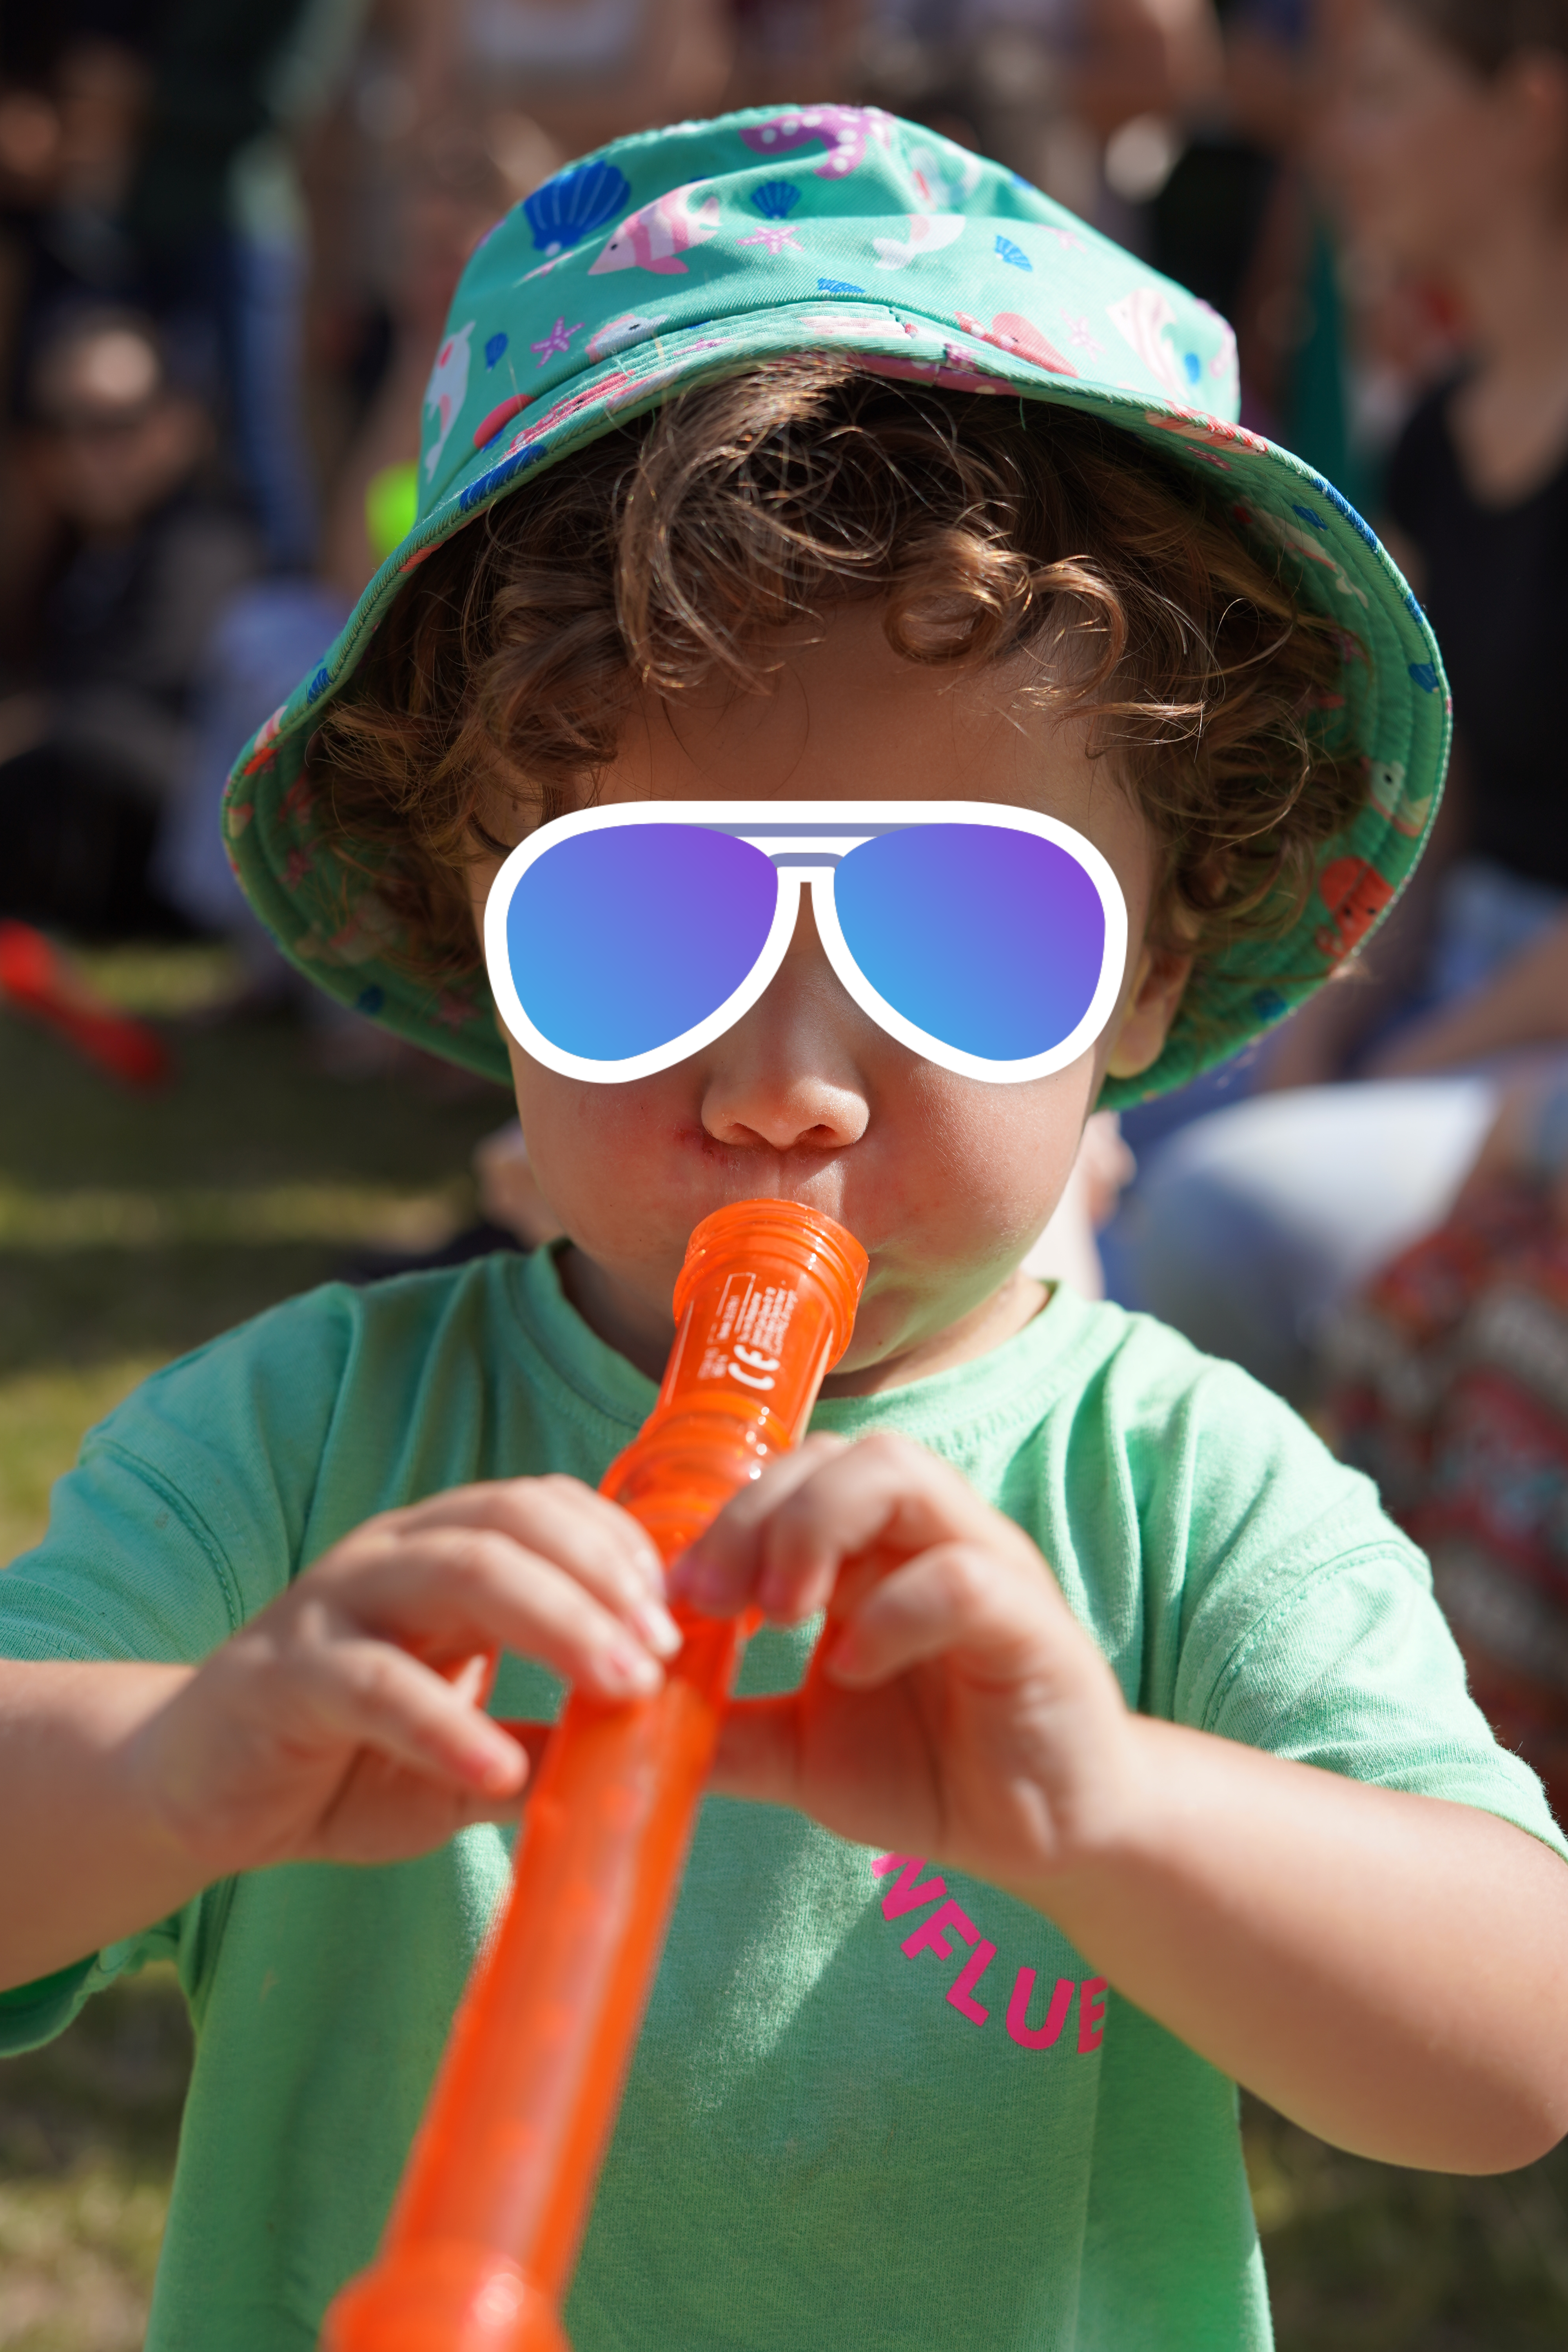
pixel 955 1708
pixel 1295 1928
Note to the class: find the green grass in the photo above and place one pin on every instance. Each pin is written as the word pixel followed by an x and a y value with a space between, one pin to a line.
pixel 133 1228
pixel 1365 2258
pixel 87 2132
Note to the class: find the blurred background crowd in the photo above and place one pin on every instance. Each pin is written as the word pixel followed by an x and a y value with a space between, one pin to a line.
pixel 229 230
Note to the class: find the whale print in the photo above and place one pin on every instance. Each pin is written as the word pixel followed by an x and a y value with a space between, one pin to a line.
pixel 929 232
pixel 631 327
pixel 1385 791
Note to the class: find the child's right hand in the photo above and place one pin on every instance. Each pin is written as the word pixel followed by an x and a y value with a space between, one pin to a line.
pixel 344 1722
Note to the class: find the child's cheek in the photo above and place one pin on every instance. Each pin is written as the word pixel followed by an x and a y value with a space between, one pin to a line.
pixel 997 1157
pixel 608 1160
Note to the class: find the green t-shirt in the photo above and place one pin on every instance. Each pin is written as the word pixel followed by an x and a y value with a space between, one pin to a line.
pixel 836 2131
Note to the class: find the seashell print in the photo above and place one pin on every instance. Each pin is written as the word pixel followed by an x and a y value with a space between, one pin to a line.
pixel 1014 254
pixel 776 199
pixel 575 204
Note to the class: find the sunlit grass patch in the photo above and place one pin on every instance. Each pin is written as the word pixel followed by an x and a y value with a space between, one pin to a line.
pixel 77 2259
pixel 362 1216
pixel 88 2131
pixel 164 982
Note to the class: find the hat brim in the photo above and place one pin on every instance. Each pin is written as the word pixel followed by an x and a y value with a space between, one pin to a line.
pixel 329 921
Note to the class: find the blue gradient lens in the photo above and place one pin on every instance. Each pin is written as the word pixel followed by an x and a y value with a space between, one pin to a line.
pixel 621 941
pixel 988 940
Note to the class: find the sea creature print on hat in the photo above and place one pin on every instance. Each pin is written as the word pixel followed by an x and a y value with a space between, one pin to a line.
pixel 576 201
pixel 656 237
pixel 448 389
pixel 929 233
pixel 843 131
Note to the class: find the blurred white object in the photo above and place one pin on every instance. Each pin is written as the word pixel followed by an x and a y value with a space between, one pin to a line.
pixel 1141 156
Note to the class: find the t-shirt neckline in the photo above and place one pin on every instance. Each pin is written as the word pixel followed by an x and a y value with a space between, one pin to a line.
pixel 1013 1381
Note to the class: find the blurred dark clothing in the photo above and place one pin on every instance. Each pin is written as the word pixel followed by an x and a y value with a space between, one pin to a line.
pixel 1205 221
pixel 75 850
pixel 126 630
pixel 32 39
pixel 210 63
pixel 1497 594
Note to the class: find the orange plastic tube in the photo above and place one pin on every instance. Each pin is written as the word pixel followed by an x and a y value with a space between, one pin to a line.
pixel 483 2239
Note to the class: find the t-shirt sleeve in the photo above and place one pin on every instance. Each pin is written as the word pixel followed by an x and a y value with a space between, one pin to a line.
pixel 185 1515
pixel 188 1507
pixel 1305 1622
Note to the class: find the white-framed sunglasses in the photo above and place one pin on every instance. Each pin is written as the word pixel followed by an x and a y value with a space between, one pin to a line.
pixel 988 938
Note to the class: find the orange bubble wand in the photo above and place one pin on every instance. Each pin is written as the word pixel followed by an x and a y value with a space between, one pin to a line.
pixel 483 2238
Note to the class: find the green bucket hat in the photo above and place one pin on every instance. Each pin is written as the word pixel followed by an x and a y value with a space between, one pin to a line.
pixel 683 255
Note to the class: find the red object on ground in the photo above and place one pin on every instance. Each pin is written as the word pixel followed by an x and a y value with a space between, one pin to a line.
pixel 36 979
pixel 483 2239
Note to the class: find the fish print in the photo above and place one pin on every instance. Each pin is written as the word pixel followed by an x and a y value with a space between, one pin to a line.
pixel 656 236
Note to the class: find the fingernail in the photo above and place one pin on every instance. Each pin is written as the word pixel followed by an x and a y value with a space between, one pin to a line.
pixel 650 1567
pixel 633 1669
pixel 497 1776
pixel 657 1627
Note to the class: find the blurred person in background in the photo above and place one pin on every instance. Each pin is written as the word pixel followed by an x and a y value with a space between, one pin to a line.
pixel 1449 138
pixel 431 199
pixel 211 218
pixel 583 71
pixel 145 158
pixel 72 97
pixel 1085 98
pixel 1450 1386
pixel 399 181
pixel 795 51
pixel 148 551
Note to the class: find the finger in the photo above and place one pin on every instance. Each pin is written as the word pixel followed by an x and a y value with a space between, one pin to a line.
pixel 719 1571
pixel 955 1597
pixel 384 1812
pixel 562 1519
pixel 531 1735
pixel 883 1493
pixel 470 1585
pixel 370 1694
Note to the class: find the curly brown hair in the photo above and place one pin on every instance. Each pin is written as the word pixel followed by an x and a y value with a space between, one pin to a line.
pixel 670 550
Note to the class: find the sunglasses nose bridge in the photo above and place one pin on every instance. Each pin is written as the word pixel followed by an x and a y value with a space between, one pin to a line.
pixel 806 884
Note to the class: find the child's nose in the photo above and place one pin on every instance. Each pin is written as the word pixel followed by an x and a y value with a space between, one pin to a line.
pixel 790 1076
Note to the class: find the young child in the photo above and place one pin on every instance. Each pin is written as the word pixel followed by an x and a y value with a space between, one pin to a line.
pixel 807 458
